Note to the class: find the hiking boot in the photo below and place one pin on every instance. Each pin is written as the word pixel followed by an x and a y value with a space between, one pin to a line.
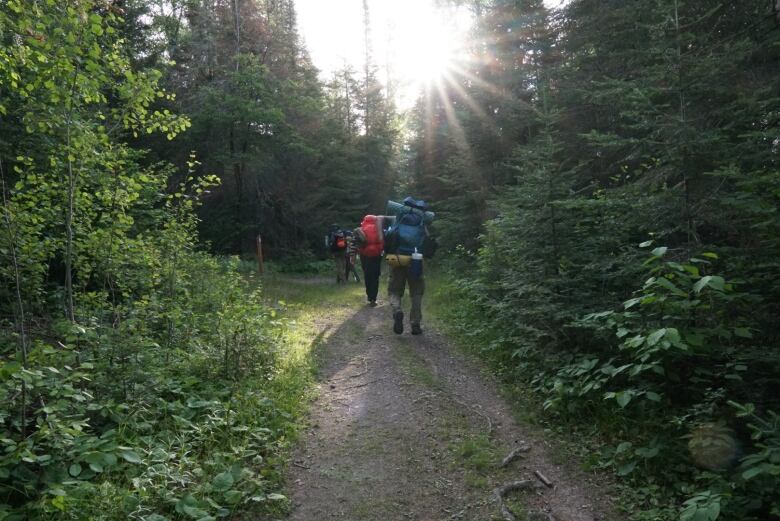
pixel 416 329
pixel 398 322
pixel 372 303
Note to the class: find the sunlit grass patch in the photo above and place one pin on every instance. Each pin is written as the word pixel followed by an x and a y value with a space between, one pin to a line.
pixel 478 456
pixel 476 452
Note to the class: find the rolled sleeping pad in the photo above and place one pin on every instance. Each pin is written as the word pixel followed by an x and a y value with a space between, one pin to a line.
pixel 395 208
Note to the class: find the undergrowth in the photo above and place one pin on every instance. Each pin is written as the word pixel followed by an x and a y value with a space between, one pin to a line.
pixel 676 454
pixel 196 428
pixel 133 424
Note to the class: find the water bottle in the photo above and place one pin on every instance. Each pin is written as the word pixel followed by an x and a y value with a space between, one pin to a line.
pixel 416 267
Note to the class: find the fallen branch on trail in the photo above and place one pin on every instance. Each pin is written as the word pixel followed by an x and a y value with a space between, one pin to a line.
pixel 543 478
pixel 500 492
pixel 514 455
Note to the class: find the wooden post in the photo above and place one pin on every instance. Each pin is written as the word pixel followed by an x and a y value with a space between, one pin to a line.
pixel 260 267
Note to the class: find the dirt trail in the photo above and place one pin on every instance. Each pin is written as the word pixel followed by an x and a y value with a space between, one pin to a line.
pixel 406 428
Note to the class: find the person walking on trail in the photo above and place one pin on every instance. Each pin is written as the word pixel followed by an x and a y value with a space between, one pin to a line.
pixel 336 243
pixel 407 241
pixel 370 244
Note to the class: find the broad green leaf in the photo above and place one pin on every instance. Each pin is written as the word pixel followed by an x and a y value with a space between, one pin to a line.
pixel 752 472
pixel 655 336
pixel 187 501
pixel 635 341
pixel 222 482
pixel 632 302
pixel 94 457
pixel 233 496
pixel 668 284
pixel 626 469
pixel 194 512
pixel 660 251
pixel 701 283
pixel 74 470
pixel 672 335
pixel 130 456
pixel 713 511
pixel 620 369
pixel 647 453
pixel 712 281
pixel 623 398
pixel 717 282
pixel 109 459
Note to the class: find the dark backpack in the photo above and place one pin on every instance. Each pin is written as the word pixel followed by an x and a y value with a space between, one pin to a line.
pixel 406 235
pixel 338 241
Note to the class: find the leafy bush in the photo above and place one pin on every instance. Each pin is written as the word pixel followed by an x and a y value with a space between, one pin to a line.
pixel 127 424
pixel 656 383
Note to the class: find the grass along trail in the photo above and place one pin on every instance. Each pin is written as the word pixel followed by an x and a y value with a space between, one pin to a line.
pixel 404 427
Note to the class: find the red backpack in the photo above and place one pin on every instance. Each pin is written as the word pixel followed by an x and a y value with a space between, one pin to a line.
pixel 374 244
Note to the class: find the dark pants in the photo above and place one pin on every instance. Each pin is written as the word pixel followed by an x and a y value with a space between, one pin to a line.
pixel 372 269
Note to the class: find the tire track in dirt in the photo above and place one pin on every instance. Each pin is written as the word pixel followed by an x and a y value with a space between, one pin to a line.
pixel 405 428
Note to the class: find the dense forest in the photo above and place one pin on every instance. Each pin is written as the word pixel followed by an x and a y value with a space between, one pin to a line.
pixel 606 181
pixel 609 179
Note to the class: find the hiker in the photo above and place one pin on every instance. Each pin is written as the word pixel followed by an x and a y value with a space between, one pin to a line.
pixel 407 241
pixel 370 245
pixel 336 242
